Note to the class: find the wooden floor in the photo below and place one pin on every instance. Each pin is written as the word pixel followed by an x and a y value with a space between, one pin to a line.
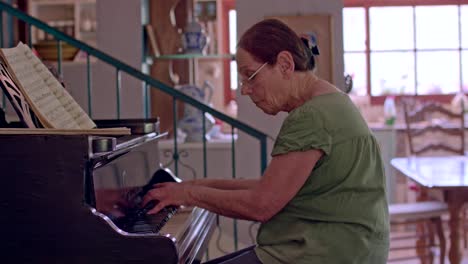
pixel 222 243
pixel 436 261
pixel 413 253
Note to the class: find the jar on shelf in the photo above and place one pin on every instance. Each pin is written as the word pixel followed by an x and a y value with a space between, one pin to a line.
pixel 194 38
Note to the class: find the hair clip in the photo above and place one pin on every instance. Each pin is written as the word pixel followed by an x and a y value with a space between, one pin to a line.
pixel 310 43
pixel 315 50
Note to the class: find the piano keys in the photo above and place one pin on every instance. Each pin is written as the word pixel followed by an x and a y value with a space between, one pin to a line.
pixel 66 198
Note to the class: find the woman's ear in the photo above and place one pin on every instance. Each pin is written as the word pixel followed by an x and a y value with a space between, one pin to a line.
pixel 285 62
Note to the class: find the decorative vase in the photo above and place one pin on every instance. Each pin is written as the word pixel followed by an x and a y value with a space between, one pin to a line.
pixel 192 121
pixel 194 39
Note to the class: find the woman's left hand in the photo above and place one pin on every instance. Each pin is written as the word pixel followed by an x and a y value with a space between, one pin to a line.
pixel 167 193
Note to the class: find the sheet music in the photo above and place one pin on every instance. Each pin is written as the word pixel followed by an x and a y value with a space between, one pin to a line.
pixel 71 106
pixel 53 102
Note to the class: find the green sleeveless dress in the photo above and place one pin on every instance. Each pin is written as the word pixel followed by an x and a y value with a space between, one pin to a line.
pixel 340 215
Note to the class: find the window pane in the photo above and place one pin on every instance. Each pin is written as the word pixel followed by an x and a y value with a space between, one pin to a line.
pixel 354 29
pixel 438 72
pixel 392 73
pixel 437 27
pixel 232 31
pixel 355 65
pixel 389 33
pixel 233 74
pixel 464 24
pixel 465 70
pixel 232 47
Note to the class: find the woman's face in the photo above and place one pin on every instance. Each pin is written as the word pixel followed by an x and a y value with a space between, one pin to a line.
pixel 264 88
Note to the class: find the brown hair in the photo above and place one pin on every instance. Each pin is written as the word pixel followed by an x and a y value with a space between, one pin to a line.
pixel 266 39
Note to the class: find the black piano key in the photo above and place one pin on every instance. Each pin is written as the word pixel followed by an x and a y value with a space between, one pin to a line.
pixel 137 223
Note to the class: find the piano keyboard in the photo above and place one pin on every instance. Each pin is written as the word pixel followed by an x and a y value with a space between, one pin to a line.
pixel 141 224
pixel 178 222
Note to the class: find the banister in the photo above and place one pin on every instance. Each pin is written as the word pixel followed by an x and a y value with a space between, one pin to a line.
pixel 131 71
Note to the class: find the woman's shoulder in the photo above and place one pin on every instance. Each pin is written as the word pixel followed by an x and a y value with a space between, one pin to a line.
pixel 320 103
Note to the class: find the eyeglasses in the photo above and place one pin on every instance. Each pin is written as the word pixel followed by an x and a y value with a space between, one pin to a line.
pixel 250 79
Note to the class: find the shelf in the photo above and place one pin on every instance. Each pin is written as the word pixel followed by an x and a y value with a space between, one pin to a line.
pixel 68 16
pixel 194 56
pixel 62 2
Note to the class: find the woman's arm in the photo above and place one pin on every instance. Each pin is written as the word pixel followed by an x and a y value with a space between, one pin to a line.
pixel 283 178
pixel 225 184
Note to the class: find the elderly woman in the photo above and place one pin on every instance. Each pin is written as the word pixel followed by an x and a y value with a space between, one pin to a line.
pixel 322 197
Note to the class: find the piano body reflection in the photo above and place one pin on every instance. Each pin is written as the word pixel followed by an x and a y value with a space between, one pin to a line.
pixel 74 198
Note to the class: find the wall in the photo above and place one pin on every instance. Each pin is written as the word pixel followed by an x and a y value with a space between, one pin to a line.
pixel 247 150
pixel 119 34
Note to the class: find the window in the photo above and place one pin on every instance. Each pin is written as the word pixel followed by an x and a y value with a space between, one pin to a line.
pixel 354 28
pixel 406 47
pixel 228 46
pixel 232 46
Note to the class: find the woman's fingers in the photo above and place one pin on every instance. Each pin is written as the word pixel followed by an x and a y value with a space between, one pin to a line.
pixel 164 194
pixel 159 206
pixel 153 194
pixel 151 197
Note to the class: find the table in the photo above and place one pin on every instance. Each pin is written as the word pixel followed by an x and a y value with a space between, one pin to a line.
pixel 448 174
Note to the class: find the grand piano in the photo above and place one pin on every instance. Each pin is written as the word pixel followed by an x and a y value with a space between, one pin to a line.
pixel 77 199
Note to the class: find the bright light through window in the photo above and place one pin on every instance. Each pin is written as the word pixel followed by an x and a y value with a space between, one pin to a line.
pixel 391 28
pixel 464 26
pixel 465 71
pixel 354 42
pixel 392 73
pixel 440 33
pixel 355 66
pixel 354 29
pixel 232 46
pixel 419 49
pixel 438 72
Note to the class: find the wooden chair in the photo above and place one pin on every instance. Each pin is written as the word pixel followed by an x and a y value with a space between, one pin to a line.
pixel 423 121
pixel 432 119
pixel 427 218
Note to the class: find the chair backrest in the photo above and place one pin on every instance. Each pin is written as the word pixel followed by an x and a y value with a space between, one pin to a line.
pixel 430 127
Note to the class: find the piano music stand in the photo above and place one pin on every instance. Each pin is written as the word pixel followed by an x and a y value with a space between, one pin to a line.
pixel 16 98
